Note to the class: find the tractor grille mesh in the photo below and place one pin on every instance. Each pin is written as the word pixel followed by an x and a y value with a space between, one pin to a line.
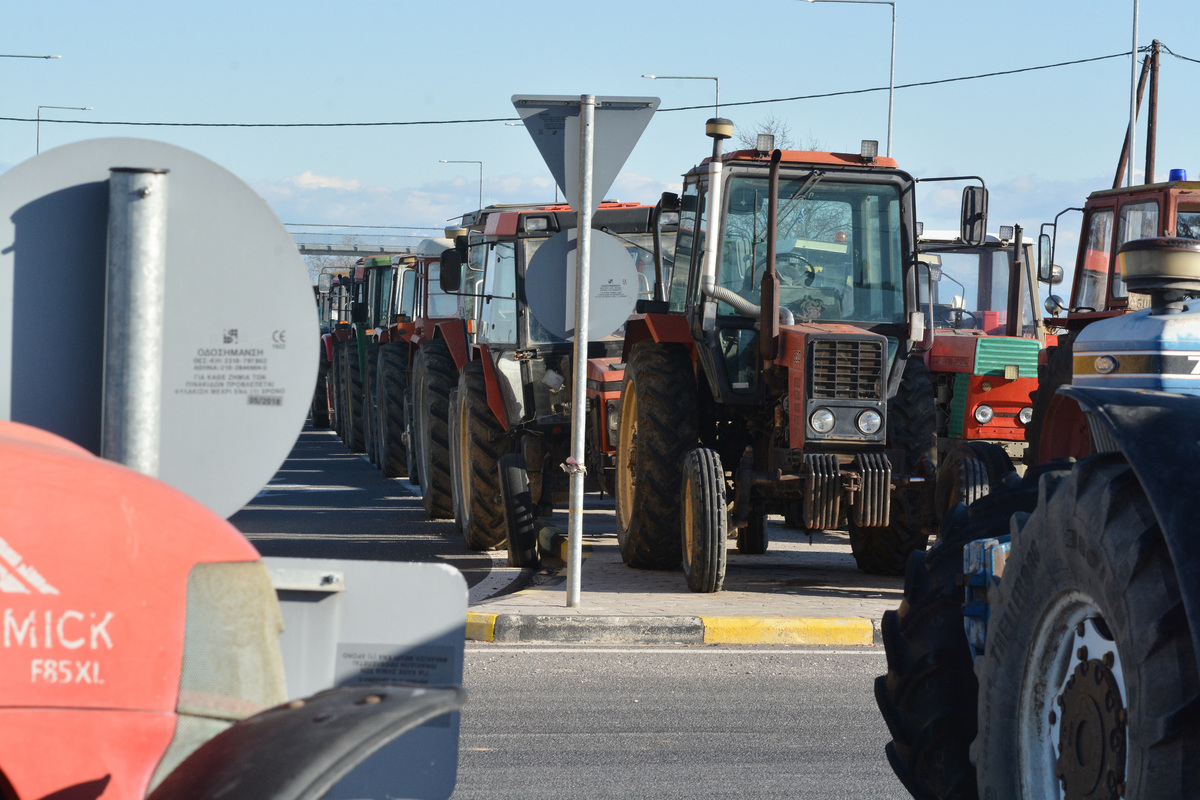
pixel 847 369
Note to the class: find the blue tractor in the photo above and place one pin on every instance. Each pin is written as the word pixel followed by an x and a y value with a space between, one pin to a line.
pixel 1048 644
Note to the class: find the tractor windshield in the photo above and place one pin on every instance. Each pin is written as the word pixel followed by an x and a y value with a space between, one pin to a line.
pixel 970 287
pixel 838 249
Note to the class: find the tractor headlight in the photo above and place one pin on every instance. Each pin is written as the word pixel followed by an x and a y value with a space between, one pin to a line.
pixel 1026 415
pixel 822 420
pixel 869 421
pixel 613 413
pixel 984 414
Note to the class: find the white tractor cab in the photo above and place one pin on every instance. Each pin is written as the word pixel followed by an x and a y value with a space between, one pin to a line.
pixel 974 287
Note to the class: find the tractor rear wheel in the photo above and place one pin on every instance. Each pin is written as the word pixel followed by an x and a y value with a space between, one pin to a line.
pixel 1089 682
pixel 354 397
pixel 320 401
pixel 752 538
pixel 705 521
pixel 658 426
pixel 338 390
pixel 479 446
pixel 912 428
pixel 434 377
pixel 520 514
pixel 371 404
pixel 391 391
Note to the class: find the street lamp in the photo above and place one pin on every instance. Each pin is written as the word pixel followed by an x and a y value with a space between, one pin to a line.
pixel 717 101
pixel 6 55
pixel 892 76
pixel 39 120
pixel 480 163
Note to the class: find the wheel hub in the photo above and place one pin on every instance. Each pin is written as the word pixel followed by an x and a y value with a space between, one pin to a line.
pixel 1089 720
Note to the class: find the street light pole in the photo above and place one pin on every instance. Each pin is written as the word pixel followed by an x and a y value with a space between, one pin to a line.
pixel 480 163
pixel 717 101
pixel 6 55
pixel 892 73
pixel 39 118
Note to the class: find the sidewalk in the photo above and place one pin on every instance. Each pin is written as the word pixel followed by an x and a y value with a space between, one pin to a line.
pixel 797 593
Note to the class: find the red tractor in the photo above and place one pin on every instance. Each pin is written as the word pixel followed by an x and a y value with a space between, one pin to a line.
pixel 781 369
pixel 511 421
pixel 987 334
pixel 141 648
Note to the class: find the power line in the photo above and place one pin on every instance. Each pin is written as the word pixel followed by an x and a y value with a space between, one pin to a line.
pixel 373 227
pixel 514 119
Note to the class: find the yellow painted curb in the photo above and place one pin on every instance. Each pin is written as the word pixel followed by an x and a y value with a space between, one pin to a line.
pixel 481 627
pixel 787 630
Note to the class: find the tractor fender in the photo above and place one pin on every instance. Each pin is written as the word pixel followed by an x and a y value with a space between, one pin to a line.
pixel 660 328
pixel 300 750
pixel 327 346
pixel 453 331
pixel 495 400
pixel 1159 435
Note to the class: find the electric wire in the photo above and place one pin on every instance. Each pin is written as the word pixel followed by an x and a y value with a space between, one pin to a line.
pixel 485 120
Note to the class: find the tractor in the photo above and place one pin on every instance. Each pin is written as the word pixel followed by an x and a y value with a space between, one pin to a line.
pixel 987 335
pixel 1054 624
pixel 159 676
pixel 1111 218
pixel 779 368
pixel 511 419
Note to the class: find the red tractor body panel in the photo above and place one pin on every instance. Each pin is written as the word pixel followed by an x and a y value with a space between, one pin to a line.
pixel 94 602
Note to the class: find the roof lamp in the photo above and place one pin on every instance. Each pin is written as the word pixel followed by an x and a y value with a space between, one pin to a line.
pixel 869 148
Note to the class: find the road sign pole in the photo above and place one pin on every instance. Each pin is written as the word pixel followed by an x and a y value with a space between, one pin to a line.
pixel 587 120
pixel 133 328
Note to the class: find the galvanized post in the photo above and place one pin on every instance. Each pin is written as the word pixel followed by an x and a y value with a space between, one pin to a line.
pixel 583 263
pixel 133 325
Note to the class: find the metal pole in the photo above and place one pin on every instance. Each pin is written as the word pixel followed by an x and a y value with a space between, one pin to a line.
pixel 1133 96
pixel 583 256
pixel 892 82
pixel 39 131
pixel 133 325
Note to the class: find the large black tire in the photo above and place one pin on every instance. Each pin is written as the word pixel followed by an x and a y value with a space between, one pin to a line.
pixel 354 397
pixel 320 401
pixel 752 539
pixel 705 521
pixel 393 385
pixel 912 427
pixel 434 377
pixel 338 392
pixel 371 404
pixel 968 473
pixel 520 514
pixel 929 693
pixel 479 446
pixel 412 450
pixel 1089 595
pixel 658 426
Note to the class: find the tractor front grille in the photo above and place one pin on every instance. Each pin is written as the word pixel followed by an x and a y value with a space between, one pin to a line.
pixel 847 369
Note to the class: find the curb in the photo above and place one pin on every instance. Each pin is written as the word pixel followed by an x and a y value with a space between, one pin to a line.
pixel 790 631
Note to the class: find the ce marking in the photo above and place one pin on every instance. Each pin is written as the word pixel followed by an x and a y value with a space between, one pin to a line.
pixel 279 337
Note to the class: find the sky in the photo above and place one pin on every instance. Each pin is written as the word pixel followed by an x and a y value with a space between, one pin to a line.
pixel 1041 139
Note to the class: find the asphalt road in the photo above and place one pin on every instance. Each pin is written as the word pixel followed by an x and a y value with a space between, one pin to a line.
pixel 589 722
pixel 672 722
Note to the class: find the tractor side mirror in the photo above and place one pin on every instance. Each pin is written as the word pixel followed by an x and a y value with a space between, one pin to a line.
pixel 973 228
pixel 1045 258
pixel 669 202
pixel 324 283
pixel 450 277
pixel 460 246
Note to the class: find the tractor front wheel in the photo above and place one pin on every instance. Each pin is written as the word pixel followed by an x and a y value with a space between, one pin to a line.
pixel 705 522
pixel 1089 681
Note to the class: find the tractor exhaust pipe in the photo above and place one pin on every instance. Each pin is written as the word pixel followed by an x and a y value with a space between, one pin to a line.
pixel 768 314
